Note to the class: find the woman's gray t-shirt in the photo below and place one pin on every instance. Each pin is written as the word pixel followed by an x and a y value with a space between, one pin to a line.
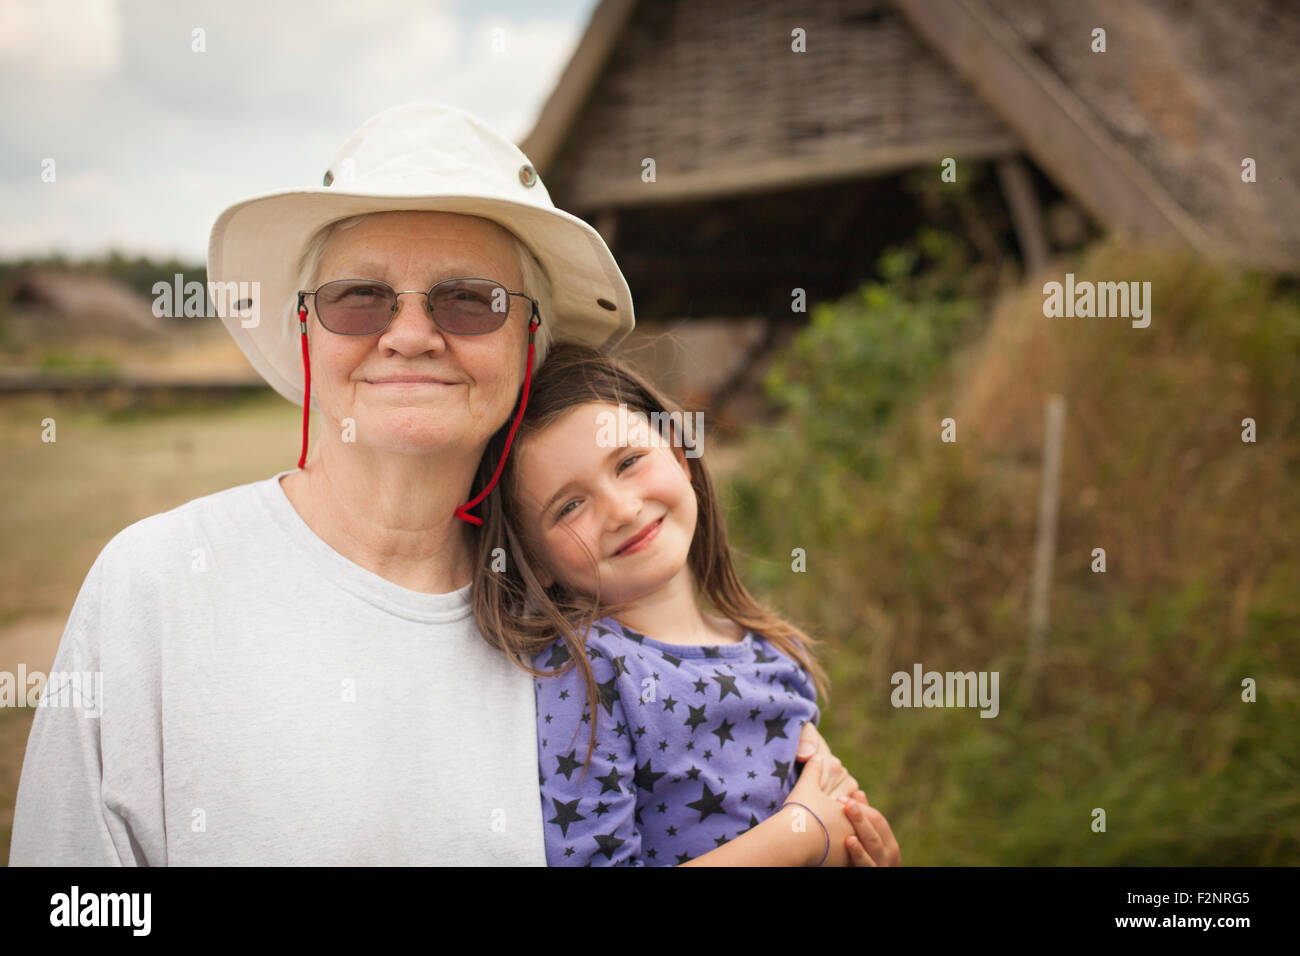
pixel 264 700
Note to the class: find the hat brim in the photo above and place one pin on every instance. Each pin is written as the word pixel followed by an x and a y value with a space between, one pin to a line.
pixel 260 240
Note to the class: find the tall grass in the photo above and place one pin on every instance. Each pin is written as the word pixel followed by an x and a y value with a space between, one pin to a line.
pixel 920 551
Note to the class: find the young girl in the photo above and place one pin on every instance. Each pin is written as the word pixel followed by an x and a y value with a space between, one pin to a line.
pixel 614 540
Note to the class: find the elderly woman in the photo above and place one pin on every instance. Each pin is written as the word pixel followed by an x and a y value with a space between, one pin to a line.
pixel 291 672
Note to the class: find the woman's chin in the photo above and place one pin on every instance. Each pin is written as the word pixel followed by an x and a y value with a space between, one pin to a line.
pixel 416 434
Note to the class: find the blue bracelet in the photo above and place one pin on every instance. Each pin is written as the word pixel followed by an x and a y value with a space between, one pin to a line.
pixel 819 823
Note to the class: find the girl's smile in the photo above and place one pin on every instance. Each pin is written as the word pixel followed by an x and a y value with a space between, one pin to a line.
pixel 641 539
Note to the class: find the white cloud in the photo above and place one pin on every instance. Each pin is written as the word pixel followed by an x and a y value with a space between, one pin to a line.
pixel 153 140
pixel 60 40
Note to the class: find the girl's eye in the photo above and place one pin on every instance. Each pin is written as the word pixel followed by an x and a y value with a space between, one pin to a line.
pixel 627 460
pixel 565 509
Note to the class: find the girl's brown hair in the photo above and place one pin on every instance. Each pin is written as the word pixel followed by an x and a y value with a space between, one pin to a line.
pixel 519 616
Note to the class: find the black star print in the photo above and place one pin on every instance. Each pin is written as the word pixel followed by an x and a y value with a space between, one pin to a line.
pixel 782 771
pixel 708 803
pixel 559 655
pixel 720 840
pixel 621 729
pixel 565 814
pixel 694 772
pixel 610 782
pixel 640 732
pixel 608 694
pixel 602 808
pixel 753 822
pixel 564 695
pixel 662 808
pixel 651 853
pixel 646 777
pixel 723 732
pixel 568 851
pixel 711 652
pixel 708 755
pixel 776 727
pixel 566 764
pixel 726 684
pixel 672 831
pixel 700 687
pixel 683 858
pixel 669 703
pixel 630 634
pixel 696 718
pixel 752 775
pixel 619 666
pixel 675 661
pixel 548 718
pixel 608 843
pixel 761 658
pixel 753 714
pixel 663 745
pixel 749 751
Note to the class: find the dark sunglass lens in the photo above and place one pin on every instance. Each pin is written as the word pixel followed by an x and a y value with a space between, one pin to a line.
pixel 354 307
pixel 470 306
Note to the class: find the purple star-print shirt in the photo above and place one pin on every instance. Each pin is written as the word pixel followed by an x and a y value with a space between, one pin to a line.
pixel 694 745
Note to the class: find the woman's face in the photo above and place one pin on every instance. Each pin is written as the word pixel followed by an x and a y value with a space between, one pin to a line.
pixel 584 493
pixel 468 384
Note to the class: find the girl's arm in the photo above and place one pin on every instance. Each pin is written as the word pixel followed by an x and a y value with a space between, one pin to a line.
pixel 775 842
pixel 588 819
pixel 789 837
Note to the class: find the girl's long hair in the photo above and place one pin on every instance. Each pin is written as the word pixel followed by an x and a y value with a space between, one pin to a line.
pixel 519 616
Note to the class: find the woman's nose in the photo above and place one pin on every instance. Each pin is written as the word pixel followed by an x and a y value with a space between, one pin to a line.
pixel 412 327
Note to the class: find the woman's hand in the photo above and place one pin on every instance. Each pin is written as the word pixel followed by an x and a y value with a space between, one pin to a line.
pixel 872 841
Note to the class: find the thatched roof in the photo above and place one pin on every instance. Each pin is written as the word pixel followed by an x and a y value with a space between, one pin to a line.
pixel 51 304
pixel 1148 137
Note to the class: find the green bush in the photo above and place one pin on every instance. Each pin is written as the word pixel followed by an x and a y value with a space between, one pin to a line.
pixel 920 551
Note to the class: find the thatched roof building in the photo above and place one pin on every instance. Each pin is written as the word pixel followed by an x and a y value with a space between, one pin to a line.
pixel 50 305
pixel 775 168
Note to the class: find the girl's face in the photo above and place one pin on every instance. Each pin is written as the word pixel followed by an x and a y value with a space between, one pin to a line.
pixel 601 514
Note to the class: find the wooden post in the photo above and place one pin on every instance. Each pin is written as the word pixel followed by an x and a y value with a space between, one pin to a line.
pixel 1026 216
pixel 1048 498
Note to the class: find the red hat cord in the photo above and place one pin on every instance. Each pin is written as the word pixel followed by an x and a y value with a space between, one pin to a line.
pixel 463 511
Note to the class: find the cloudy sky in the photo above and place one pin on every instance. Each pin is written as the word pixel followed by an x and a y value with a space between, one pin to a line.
pixel 151 140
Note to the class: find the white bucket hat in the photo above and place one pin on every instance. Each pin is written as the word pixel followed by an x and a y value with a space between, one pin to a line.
pixel 421 156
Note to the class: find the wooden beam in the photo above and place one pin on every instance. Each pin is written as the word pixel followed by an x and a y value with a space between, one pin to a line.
pixel 740 178
pixel 1026 215
pixel 1058 130
pixel 576 82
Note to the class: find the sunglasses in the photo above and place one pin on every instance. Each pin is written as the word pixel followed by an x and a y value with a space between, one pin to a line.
pixel 457 306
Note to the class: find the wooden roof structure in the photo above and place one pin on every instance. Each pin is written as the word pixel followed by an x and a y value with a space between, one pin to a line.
pixel 1148 137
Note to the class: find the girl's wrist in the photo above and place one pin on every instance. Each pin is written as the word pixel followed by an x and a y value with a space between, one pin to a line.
pixel 809 838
